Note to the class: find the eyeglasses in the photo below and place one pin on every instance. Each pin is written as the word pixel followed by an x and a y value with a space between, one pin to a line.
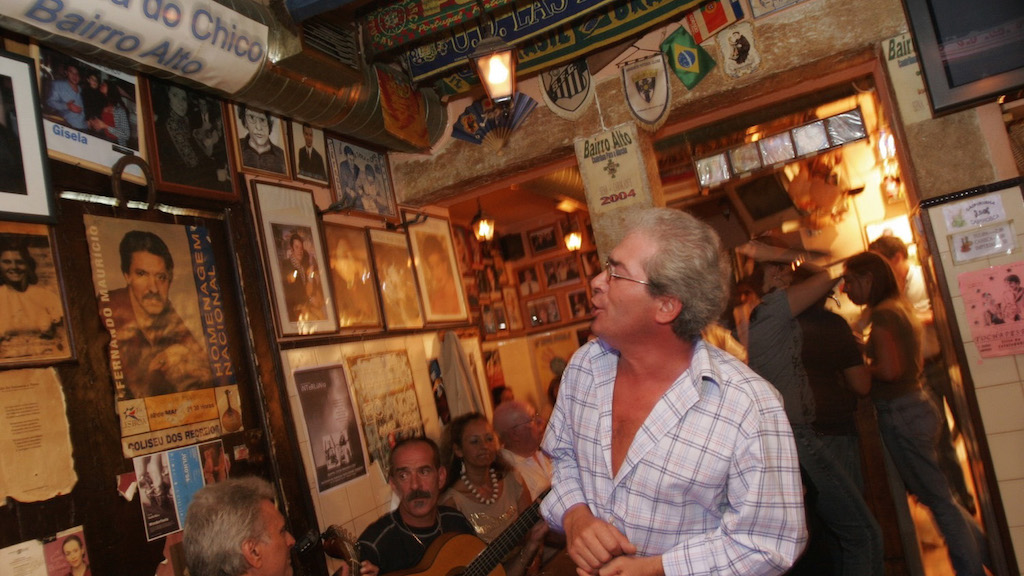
pixel 610 269
pixel 535 419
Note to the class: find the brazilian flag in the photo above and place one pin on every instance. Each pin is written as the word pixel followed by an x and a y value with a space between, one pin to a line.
pixel 688 60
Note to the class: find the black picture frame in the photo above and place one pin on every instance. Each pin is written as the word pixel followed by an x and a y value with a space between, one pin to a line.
pixel 946 92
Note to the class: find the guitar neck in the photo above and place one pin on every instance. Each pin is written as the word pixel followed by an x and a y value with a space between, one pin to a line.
pixel 506 541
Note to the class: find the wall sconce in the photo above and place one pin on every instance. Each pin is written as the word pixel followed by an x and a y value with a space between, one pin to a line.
pixel 495 64
pixel 573 239
pixel 482 225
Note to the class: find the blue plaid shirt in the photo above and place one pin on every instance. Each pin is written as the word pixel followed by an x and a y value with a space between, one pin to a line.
pixel 711 481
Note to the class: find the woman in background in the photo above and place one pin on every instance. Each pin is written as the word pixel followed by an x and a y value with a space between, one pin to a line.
pixel 908 420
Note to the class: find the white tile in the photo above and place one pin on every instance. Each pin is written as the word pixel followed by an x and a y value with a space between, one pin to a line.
pixel 1001 407
pixel 1017 536
pixel 1007 451
pixel 988 372
pixel 360 496
pixel 1012 493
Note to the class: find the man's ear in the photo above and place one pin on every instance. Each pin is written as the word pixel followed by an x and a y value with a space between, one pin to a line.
pixel 253 552
pixel 669 308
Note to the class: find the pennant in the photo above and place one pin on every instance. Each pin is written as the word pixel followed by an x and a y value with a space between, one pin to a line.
pixel 567 90
pixel 711 17
pixel 645 83
pixel 689 61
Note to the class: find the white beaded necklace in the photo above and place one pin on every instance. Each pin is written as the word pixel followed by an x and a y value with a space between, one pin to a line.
pixel 476 492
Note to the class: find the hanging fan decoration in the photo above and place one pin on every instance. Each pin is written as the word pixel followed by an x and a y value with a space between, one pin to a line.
pixel 485 123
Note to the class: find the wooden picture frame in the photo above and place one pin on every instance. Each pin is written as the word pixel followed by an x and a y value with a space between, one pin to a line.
pixel 33 326
pixel 188 135
pixel 267 134
pixel 561 271
pixel 543 239
pixel 437 271
pixel 361 179
pixel 578 304
pixel 592 265
pixel 24 172
pixel 354 284
pixel 543 311
pixel 528 280
pixel 510 296
pixel 309 166
pixel 73 137
pixel 293 255
pixel 400 301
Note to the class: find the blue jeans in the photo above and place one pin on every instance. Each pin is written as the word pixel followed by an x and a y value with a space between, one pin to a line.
pixel 841 506
pixel 909 426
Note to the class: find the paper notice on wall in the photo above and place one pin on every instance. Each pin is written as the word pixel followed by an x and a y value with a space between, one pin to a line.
pixel 35 444
pixel 55 555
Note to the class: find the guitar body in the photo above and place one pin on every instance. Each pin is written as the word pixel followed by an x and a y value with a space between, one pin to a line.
pixel 449 555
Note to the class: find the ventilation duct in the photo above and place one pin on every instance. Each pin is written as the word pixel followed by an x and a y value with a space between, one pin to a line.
pixel 312 74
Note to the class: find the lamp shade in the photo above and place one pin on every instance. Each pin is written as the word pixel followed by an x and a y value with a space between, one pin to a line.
pixel 495 64
pixel 483 228
pixel 573 240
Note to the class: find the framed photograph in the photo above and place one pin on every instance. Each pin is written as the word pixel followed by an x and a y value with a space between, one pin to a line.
pixel 293 255
pixel 310 152
pixel 591 264
pixel 33 325
pixel 361 179
pixel 543 239
pixel 494 318
pixel 399 298
pixel 188 136
pixel 528 280
pixel 87 112
pixel 260 142
pixel 24 172
pixel 579 304
pixel 514 314
pixel 561 271
pixel 437 272
pixel 352 278
pixel 543 310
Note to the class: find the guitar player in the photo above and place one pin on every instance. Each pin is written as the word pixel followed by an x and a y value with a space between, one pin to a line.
pixel 670 456
pixel 400 539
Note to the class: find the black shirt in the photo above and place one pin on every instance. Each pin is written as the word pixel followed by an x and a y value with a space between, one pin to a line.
pixel 391 545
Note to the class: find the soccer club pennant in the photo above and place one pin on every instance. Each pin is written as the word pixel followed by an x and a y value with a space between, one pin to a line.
pixel 567 90
pixel 645 83
pixel 689 61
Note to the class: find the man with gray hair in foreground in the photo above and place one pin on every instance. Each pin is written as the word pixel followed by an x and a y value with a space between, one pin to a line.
pixel 670 456
pixel 233 528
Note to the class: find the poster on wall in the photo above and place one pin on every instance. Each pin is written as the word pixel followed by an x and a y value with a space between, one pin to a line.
pixel 169 355
pixel 994 304
pixel 168 481
pixel 334 443
pixel 64 553
pixel 551 353
pixel 612 167
pixel 388 407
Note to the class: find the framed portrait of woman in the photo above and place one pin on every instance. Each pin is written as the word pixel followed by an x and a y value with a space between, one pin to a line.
pixel 33 322
pixel 352 277
pixel 437 271
pixel 294 258
pixel 399 298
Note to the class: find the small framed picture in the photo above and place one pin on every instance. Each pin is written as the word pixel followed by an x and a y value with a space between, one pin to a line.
pixel 188 137
pixel 528 280
pixel 579 304
pixel 24 172
pixel 514 314
pixel 87 111
pixel 260 142
pixel 543 239
pixel 543 310
pixel 591 264
pixel 294 257
pixel 399 297
pixel 33 325
pixel 437 271
pixel 361 180
pixel 310 152
pixel 561 271
pixel 352 278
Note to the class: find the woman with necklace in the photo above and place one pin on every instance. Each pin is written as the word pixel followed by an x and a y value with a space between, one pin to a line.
pixel 485 488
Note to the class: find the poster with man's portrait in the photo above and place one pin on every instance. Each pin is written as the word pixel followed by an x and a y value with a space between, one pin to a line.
pixel 260 142
pixel 90 112
pixel 33 313
pixel 168 349
pixel 309 153
pixel 361 179
pixel 189 138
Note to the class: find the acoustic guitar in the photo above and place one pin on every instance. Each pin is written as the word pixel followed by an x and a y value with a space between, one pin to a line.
pixel 467 555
